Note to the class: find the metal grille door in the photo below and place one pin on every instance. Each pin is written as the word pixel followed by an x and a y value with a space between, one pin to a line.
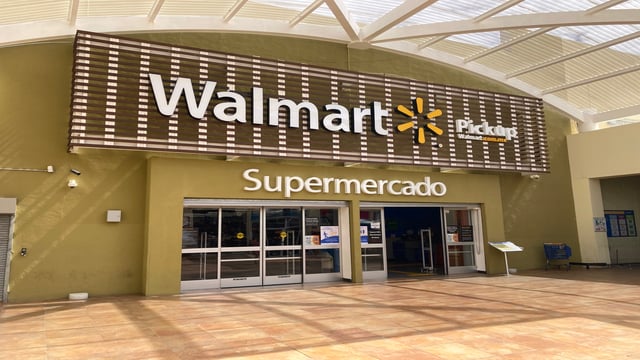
pixel 5 222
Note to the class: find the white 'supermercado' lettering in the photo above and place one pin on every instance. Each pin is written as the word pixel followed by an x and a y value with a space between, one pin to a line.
pixel 288 185
pixel 233 108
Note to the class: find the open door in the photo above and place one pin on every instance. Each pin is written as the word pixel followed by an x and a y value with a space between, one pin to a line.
pixel 464 250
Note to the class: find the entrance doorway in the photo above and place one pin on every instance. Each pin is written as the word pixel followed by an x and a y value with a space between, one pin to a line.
pixel 414 240
pixel 233 246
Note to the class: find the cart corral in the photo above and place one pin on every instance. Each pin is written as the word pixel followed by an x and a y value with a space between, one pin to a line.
pixel 557 254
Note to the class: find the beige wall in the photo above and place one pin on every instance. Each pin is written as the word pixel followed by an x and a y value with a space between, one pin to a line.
pixel 596 155
pixel 622 194
pixel 71 246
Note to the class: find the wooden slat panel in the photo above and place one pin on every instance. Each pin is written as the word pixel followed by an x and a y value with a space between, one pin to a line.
pixel 113 106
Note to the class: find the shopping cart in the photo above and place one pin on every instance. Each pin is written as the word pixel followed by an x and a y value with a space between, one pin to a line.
pixel 557 254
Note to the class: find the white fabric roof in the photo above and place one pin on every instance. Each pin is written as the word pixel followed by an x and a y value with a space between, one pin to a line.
pixel 581 56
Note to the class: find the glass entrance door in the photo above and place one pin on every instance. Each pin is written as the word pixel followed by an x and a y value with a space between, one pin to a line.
pixel 374 259
pixel 235 245
pixel 282 256
pixel 462 234
pixel 200 251
pixel 240 251
pixel 322 243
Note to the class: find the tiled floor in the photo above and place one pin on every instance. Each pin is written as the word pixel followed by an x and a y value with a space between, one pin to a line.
pixel 577 314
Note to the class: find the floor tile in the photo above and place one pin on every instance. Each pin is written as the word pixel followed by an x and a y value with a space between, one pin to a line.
pixel 576 314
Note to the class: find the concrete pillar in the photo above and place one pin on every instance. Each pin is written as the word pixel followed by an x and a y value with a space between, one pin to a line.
pixel 354 238
pixel 594 246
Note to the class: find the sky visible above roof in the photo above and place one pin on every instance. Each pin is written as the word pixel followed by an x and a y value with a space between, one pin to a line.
pixel 580 56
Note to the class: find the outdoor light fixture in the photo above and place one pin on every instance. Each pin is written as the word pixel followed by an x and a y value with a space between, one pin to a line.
pixel 49 169
pixel 23 252
pixel 73 183
pixel 531 176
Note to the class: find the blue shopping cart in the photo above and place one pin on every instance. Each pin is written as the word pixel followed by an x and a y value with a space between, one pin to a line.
pixel 557 254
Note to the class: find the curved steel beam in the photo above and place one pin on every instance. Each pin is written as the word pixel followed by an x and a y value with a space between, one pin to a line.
pixel 570 18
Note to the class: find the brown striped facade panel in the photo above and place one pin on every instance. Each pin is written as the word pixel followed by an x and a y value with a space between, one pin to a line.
pixel 113 106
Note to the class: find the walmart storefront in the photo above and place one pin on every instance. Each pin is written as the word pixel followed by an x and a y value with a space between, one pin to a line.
pixel 197 168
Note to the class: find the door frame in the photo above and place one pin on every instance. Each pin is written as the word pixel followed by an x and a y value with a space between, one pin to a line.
pixel 8 258
pixel 376 274
pixel 476 247
pixel 263 205
pixel 264 248
pixel 476 218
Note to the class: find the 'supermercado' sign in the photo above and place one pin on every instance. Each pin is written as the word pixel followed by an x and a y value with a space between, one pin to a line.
pixel 288 185
pixel 156 97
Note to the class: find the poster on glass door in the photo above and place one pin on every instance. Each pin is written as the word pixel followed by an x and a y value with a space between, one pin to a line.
pixel 364 234
pixel 329 235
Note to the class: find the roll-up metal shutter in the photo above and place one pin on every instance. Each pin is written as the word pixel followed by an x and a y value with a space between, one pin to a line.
pixel 5 224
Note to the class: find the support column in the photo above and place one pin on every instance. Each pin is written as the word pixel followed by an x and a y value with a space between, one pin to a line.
pixel 594 246
pixel 354 238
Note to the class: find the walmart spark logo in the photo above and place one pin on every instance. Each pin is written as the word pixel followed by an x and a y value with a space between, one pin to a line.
pixel 419 108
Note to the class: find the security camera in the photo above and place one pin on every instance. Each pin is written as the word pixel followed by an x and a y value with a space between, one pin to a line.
pixel 77 172
pixel 535 177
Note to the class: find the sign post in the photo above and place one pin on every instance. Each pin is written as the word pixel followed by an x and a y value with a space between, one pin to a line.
pixel 506 247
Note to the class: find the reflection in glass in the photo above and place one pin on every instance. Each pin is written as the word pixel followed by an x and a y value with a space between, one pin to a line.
pixel 372 259
pixel 461 255
pixel 240 269
pixel 314 220
pixel 459 228
pixel 320 261
pixel 372 219
pixel 199 266
pixel 282 253
pixel 240 255
pixel 240 227
pixel 283 266
pixel 199 228
pixel 283 226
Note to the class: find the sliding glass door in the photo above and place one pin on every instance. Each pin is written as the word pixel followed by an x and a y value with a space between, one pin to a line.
pixel 200 251
pixel 233 246
pixel 240 251
pixel 282 251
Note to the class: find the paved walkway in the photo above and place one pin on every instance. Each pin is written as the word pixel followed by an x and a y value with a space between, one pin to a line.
pixel 577 314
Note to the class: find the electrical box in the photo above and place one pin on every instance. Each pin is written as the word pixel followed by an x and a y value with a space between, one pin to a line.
pixel 114 216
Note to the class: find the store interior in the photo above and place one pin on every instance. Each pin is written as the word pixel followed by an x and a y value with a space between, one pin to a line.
pixel 407 241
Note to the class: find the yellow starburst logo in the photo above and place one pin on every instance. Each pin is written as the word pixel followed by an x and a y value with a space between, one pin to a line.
pixel 419 108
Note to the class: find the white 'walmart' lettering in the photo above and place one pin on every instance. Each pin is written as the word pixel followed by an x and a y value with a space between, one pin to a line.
pixel 234 108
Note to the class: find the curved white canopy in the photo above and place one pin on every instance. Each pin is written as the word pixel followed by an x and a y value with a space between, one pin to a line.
pixel 581 56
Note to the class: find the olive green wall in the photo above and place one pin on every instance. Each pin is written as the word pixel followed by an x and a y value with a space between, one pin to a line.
pixel 172 180
pixel 539 211
pixel 535 211
pixel 72 248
